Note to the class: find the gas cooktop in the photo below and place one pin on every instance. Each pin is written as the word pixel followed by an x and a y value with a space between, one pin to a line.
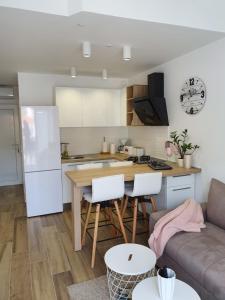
pixel 152 162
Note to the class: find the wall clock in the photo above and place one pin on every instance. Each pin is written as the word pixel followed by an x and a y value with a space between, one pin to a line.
pixel 193 95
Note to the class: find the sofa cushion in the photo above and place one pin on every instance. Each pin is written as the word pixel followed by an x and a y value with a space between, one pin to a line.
pixel 216 203
pixel 202 256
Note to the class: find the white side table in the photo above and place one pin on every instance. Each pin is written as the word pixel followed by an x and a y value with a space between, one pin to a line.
pixel 127 265
pixel 148 289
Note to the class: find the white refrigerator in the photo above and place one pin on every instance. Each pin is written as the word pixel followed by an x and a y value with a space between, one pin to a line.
pixel 41 160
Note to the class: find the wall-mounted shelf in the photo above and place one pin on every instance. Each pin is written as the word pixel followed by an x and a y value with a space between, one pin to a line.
pixel 133 92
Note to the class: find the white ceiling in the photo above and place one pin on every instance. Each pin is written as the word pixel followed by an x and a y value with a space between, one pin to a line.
pixel 37 42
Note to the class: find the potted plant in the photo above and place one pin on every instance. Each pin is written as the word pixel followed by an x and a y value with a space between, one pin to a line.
pixel 182 148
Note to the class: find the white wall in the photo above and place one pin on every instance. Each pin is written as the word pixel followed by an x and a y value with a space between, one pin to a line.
pixel 207 128
pixel 152 138
pixel 39 89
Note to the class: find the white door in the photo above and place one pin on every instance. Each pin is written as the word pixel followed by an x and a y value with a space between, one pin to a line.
pixel 10 154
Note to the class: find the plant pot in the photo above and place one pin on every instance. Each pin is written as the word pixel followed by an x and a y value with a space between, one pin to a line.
pixel 187 161
pixel 180 162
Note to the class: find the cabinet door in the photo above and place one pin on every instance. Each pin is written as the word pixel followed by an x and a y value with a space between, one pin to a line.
pixel 66 182
pixel 70 105
pixel 113 109
pixel 102 108
pixel 177 195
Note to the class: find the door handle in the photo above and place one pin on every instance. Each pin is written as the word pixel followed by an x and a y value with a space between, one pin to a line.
pixel 185 175
pixel 17 147
pixel 181 189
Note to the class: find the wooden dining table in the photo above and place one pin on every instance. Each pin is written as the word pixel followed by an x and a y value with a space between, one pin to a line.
pixel 83 178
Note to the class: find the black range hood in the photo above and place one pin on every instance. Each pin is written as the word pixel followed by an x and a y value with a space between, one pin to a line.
pixel 151 109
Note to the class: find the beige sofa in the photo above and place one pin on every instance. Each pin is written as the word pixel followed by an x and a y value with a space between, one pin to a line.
pixel 199 258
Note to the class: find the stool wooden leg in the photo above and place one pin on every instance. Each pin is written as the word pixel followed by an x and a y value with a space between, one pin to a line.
pixel 120 221
pixel 86 223
pixel 143 208
pixel 114 231
pixel 135 220
pixel 95 235
pixel 154 204
pixel 124 206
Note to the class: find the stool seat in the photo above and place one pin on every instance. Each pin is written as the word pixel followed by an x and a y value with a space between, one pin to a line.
pixel 130 259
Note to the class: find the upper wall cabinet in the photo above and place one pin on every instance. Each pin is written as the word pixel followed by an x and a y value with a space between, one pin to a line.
pixel 70 105
pixel 86 107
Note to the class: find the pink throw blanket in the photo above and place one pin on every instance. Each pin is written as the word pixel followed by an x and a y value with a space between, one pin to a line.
pixel 186 217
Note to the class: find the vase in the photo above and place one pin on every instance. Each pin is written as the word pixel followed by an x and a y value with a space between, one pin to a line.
pixel 180 162
pixel 187 161
pixel 166 284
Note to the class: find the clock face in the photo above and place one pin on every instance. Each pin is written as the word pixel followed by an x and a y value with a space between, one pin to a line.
pixel 193 95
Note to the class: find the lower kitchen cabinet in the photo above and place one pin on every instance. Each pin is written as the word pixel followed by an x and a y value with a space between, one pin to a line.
pixel 175 190
pixel 66 183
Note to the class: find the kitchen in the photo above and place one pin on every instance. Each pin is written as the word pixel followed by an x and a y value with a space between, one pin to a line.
pixel 77 110
pixel 51 179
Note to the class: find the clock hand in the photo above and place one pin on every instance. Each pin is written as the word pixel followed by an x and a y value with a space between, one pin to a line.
pixel 186 94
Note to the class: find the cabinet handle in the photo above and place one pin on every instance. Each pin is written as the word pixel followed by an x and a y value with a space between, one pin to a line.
pixel 185 175
pixel 181 189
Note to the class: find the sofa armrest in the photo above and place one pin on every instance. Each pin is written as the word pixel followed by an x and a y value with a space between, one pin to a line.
pixel 204 210
pixel 154 217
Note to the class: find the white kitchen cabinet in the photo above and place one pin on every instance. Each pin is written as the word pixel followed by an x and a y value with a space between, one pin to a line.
pixel 66 182
pixel 70 105
pixel 175 190
pixel 87 107
pixel 102 108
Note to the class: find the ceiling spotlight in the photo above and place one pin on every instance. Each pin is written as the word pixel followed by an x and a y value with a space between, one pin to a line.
pixel 126 53
pixel 104 74
pixel 86 49
pixel 73 72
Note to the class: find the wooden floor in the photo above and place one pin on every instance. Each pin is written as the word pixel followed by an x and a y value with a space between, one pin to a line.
pixel 36 256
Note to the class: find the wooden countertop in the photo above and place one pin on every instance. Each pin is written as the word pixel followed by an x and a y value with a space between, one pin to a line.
pixel 84 177
pixel 97 156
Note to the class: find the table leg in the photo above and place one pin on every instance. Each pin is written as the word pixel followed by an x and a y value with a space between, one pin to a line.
pixel 76 217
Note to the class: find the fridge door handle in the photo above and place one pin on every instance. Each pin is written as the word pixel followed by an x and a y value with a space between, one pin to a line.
pixel 17 147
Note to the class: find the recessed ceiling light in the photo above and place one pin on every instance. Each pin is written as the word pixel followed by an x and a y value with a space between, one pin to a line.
pixel 126 53
pixel 109 45
pixel 104 74
pixel 80 25
pixel 73 72
pixel 86 49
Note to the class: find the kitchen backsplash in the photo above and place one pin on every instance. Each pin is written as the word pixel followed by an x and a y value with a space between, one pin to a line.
pixel 152 139
pixel 89 140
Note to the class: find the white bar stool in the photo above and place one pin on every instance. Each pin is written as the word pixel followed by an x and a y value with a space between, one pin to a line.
pixel 88 166
pixel 103 189
pixel 145 184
